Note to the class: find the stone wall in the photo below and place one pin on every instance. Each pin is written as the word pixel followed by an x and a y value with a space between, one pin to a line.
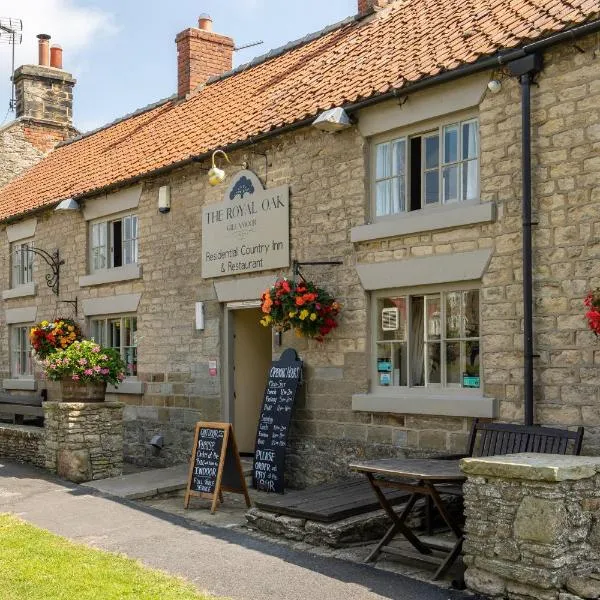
pixel 17 153
pixel 23 443
pixel 328 179
pixel 84 441
pixel 533 527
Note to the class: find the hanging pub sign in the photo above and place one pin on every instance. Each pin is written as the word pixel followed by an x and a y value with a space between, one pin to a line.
pixel 249 231
pixel 215 465
pixel 275 415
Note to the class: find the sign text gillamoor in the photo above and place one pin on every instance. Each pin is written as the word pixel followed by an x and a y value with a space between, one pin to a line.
pixel 246 234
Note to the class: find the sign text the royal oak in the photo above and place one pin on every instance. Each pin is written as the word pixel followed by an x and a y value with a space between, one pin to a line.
pixel 249 231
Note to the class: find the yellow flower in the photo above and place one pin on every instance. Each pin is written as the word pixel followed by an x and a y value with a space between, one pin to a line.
pixel 292 313
pixel 303 314
pixel 70 328
pixel 45 323
pixel 313 316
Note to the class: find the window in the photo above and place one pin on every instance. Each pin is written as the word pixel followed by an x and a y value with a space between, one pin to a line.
pixel 22 263
pixel 428 340
pixel 20 352
pixel 114 243
pixel 119 333
pixel 432 168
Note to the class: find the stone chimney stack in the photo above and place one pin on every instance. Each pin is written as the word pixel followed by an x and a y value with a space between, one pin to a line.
pixel 367 6
pixel 44 92
pixel 200 55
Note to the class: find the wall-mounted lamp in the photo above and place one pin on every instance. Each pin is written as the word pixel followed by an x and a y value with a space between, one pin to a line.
pixel 200 316
pixel 68 204
pixel 332 120
pixel 164 199
pixel 216 175
pixel 495 85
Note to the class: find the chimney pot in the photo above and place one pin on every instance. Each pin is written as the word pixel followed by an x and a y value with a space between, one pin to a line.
pixel 43 49
pixel 205 22
pixel 56 56
pixel 368 6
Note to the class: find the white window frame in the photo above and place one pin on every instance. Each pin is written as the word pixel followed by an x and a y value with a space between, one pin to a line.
pixel 129 246
pixel 21 263
pixel 424 130
pixel 106 320
pixel 435 388
pixel 20 347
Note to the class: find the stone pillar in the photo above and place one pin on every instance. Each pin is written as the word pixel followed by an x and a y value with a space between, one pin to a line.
pixel 533 526
pixel 84 441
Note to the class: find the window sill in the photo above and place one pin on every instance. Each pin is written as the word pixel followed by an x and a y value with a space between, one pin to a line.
pixel 19 384
pixel 20 291
pixel 111 275
pixel 451 403
pixel 129 386
pixel 430 219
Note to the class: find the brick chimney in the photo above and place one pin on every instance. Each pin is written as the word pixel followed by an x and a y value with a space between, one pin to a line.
pixel 367 6
pixel 200 55
pixel 44 96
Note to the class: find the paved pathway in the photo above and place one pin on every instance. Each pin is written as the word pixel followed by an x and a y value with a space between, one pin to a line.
pixel 223 562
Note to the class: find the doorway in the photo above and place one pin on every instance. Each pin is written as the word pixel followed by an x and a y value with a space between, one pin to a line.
pixel 250 361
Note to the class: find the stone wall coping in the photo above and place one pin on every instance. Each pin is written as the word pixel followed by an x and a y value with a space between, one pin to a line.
pixel 25 429
pixel 83 405
pixel 533 467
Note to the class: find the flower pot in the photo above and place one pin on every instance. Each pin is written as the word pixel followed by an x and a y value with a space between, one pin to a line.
pixel 77 391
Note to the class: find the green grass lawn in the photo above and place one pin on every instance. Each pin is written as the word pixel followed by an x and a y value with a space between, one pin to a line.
pixel 38 565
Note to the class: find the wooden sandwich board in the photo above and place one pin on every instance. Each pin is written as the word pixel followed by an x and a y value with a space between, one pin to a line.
pixel 215 465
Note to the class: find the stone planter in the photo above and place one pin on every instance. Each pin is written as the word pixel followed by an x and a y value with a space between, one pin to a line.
pixel 76 391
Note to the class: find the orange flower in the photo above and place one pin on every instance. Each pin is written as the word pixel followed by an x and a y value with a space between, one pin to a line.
pixel 299 301
pixel 267 303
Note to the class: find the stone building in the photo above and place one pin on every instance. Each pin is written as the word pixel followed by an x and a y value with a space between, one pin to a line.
pixel 418 196
pixel 44 112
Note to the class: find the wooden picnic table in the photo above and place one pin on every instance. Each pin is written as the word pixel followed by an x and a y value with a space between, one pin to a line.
pixel 419 477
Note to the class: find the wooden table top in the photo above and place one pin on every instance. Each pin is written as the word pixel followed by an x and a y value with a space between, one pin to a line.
pixel 413 468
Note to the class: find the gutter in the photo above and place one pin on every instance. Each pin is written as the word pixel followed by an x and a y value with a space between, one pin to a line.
pixel 469 69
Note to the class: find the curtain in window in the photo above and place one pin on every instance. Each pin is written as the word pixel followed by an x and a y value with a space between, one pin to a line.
pixel 417 362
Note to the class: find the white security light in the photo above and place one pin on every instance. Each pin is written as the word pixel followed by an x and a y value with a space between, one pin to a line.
pixel 68 204
pixel 332 120
pixel 494 86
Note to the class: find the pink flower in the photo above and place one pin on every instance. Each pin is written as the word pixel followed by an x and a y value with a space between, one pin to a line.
pixel 97 368
pixel 120 376
pixel 88 372
pixel 104 357
pixel 82 361
pixel 65 361
pixel 53 366
pixel 104 371
pixel 75 377
pixel 96 349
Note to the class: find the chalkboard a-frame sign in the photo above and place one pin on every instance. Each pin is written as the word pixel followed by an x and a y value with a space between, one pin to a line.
pixel 215 465
pixel 271 438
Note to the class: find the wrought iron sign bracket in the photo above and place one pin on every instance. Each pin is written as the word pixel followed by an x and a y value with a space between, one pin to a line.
pixel 73 303
pixel 296 266
pixel 53 261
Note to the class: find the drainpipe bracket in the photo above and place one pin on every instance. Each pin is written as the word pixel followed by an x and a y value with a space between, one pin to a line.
pixel 530 64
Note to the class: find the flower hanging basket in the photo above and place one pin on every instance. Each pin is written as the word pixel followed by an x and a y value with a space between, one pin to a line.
pixel 48 337
pixel 592 302
pixel 307 309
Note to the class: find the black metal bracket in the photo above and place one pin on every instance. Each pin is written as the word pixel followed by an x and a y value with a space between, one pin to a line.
pixel 53 261
pixel 298 273
pixel 73 303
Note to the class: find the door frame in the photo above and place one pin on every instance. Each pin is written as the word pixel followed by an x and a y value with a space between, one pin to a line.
pixel 228 379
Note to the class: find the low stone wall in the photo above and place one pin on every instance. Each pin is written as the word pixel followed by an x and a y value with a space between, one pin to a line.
pixel 533 527
pixel 84 441
pixel 22 443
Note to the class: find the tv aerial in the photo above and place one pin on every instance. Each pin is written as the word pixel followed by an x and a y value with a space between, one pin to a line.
pixel 11 34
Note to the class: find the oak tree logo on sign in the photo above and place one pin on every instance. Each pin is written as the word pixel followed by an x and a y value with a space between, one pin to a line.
pixel 242 186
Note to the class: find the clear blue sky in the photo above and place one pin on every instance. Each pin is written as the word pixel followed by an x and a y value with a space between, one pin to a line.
pixel 123 53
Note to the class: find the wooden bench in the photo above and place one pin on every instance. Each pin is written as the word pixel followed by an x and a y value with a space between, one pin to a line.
pixel 494 439
pixel 22 404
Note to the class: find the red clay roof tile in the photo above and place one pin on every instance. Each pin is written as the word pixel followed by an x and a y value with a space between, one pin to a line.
pixel 404 43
